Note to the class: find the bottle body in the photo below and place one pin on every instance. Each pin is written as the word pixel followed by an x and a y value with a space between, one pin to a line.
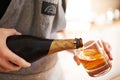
pixel 33 48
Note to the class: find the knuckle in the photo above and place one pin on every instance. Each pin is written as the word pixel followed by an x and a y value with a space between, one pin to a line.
pixel 13 30
pixel 17 60
pixel 7 70
pixel 4 70
pixel 2 54
pixel 15 68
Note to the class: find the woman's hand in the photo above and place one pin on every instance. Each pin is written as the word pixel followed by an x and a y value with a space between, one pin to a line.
pixel 9 61
pixel 106 46
pixel 77 60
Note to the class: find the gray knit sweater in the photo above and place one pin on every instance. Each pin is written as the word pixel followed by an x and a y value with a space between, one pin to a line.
pixel 42 18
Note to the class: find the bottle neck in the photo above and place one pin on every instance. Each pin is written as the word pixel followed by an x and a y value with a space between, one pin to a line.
pixel 59 45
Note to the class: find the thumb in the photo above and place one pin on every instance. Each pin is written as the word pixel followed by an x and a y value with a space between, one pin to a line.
pixel 77 60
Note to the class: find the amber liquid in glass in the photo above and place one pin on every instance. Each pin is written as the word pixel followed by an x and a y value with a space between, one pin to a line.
pixel 94 62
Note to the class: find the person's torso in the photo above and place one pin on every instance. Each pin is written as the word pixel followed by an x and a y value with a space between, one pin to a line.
pixel 34 17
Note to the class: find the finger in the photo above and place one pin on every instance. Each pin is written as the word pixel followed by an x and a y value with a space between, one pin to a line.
pixel 19 61
pixel 13 32
pixel 77 60
pixel 6 66
pixel 15 59
pixel 107 49
pixel 7 32
pixel 3 69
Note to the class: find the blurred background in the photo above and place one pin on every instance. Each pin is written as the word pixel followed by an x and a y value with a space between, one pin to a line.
pixel 86 19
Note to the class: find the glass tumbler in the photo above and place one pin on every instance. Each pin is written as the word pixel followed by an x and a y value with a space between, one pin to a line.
pixel 94 58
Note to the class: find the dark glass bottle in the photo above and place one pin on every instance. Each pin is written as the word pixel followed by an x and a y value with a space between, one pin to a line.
pixel 32 48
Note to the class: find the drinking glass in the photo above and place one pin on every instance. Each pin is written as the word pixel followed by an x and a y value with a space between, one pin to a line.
pixel 94 58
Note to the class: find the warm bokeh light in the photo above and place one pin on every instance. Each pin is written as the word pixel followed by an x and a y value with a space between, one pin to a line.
pixel 80 14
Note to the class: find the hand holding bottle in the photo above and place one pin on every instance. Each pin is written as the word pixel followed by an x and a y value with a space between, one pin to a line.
pixel 8 60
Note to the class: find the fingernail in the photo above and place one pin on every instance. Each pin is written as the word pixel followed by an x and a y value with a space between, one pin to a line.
pixel 28 64
pixel 19 33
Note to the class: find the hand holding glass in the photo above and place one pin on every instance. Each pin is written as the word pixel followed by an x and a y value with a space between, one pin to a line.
pixel 94 58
